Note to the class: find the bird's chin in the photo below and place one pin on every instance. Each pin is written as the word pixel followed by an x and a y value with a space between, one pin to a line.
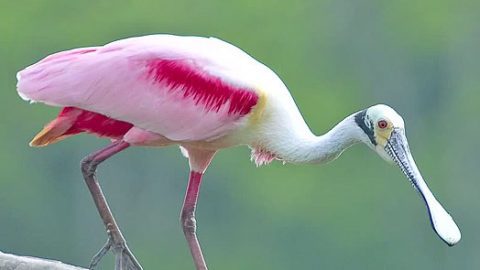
pixel 384 154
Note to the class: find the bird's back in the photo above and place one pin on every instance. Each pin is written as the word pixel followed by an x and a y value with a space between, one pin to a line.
pixel 65 77
pixel 185 88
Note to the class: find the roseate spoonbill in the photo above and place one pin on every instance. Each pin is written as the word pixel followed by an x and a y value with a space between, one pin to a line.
pixel 202 94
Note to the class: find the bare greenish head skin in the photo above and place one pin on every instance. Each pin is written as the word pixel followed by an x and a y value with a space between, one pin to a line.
pixel 385 130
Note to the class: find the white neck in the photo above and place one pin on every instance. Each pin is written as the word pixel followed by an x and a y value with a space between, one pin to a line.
pixel 309 148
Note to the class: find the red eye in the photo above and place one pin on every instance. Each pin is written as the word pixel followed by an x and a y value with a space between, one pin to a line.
pixel 382 124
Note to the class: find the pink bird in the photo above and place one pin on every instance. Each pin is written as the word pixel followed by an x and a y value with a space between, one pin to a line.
pixel 204 95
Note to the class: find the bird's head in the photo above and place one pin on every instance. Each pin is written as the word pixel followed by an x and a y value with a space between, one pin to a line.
pixel 384 132
pixel 378 123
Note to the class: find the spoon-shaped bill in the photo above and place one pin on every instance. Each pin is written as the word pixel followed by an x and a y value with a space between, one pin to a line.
pixel 442 222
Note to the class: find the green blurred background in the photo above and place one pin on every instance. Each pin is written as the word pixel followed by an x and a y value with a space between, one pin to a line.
pixel 336 57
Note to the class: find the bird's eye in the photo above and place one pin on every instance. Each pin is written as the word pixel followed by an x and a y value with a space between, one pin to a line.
pixel 382 124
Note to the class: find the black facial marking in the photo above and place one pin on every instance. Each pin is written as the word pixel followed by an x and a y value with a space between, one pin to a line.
pixel 360 120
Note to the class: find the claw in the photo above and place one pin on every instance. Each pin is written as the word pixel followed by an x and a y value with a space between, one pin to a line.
pixel 124 259
pixel 99 255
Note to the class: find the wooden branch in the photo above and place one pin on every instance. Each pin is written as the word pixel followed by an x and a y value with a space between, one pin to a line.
pixel 14 262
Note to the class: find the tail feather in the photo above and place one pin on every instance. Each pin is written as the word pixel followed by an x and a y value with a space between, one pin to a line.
pixel 54 131
pixel 48 135
pixel 72 120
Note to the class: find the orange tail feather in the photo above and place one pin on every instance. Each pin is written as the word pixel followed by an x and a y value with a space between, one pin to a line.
pixel 52 132
pixel 58 129
pixel 71 121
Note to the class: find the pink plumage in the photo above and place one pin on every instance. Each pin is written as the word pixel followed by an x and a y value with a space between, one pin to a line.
pixel 209 91
pixel 157 86
pixel 100 125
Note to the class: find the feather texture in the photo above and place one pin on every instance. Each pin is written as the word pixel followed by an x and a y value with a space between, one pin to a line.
pixel 161 84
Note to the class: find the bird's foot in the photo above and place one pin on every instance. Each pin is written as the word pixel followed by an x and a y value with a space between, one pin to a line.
pixel 124 258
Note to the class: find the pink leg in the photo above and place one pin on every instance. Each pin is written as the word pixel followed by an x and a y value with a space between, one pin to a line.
pixel 124 258
pixel 188 219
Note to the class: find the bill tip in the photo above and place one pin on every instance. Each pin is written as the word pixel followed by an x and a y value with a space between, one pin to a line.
pixel 444 226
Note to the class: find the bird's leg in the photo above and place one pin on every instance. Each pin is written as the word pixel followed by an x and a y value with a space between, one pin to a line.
pixel 188 219
pixel 124 258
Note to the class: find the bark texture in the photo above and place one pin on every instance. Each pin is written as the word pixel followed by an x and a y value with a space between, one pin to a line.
pixel 15 262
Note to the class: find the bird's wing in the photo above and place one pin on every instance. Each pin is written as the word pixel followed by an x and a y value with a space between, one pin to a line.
pixel 184 88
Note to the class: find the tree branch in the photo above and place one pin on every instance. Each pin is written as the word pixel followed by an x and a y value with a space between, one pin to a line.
pixel 14 262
